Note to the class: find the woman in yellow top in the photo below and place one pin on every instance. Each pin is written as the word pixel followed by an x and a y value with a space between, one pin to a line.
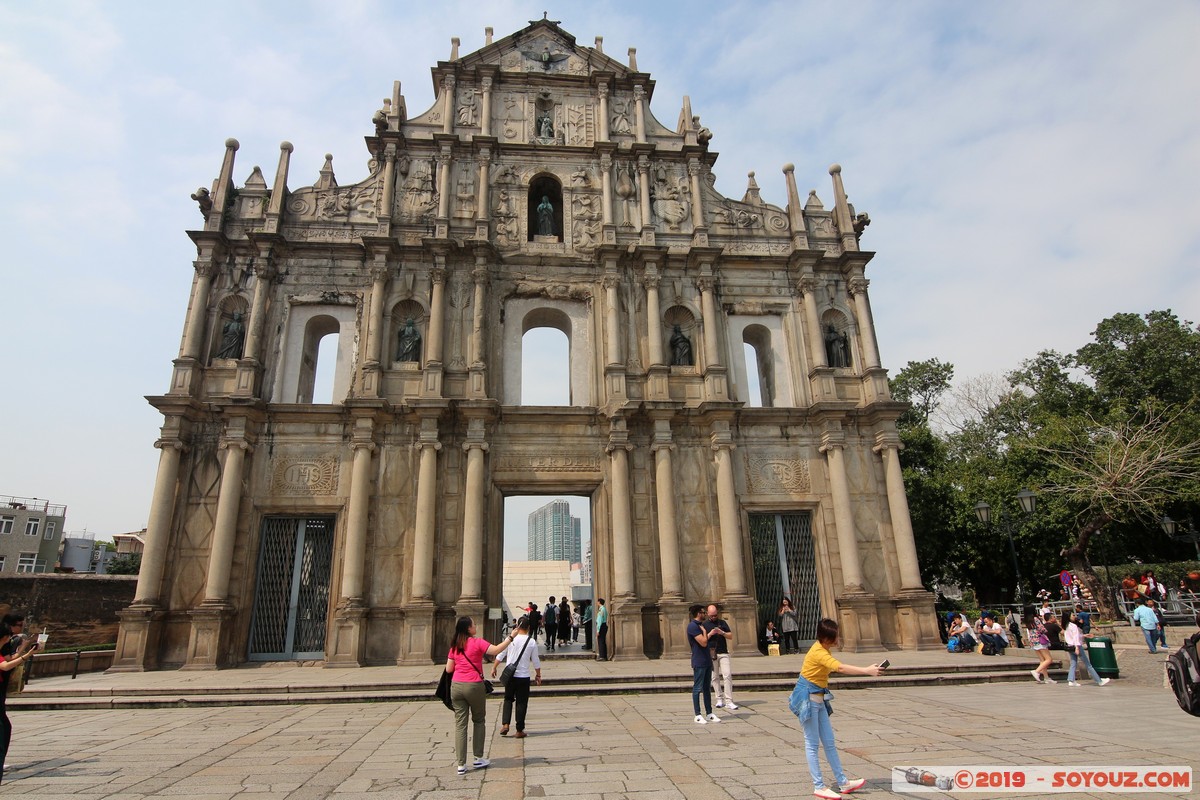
pixel 809 704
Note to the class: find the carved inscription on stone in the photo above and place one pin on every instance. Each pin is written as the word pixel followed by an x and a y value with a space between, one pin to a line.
pixel 777 474
pixel 297 476
pixel 559 462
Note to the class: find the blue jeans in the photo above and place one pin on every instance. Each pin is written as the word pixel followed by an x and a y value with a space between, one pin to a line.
pixel 1162 637
pixel 817 732
pixel 1151 635
pixel 1087 662
pixel 702 684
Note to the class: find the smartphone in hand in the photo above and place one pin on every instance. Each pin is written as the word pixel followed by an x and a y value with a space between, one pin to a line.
pixel 885 664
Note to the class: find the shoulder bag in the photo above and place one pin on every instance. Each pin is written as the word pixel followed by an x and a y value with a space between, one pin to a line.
pixel 510 669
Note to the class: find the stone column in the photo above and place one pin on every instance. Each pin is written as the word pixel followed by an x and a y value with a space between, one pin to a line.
pixel 602 92
pixel 472 564
pixel 639 99
pixel 816 341
pixel 437 315
pixel 477 387
pixel 422 583
pixel 668 535
pixel 485 111
pixel 606 188
pixel 643 165
pixel 220 557
pixel 612 332
pixel 481 195
pixel 158 528
pixel 888 446
pixel 832 446
pixel 448 84
pixel 654 329
pixel 389 181
pixel 444 163
pixel 214 220
pixel 857 287
pixel 622 534
pixel 379 278
pixel 193 336
pixel 795 210
pixel 355 555
pixel 693 168
pixel 728 513
pixel 708 307
pixel 279 189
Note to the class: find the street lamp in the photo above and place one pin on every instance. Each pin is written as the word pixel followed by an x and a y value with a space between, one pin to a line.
pixel 1171 528
pixel 983 511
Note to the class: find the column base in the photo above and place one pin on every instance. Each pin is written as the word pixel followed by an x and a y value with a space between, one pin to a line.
pixel 208 644
pixel 349 636
pixel 184 377
pixel 716 384
pixel 138 639
pixel 741 612
pixel 916 619
pixel 625 630
pixel 859 622
pixel 672 623
pixel 246 385
pixel 659 383
pixel 416 636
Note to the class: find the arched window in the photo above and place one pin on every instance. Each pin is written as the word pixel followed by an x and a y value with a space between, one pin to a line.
pixel 760 373
pixel 545 189
pixel 318 362
pixel 546 359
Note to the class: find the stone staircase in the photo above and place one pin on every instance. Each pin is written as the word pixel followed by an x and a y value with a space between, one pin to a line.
pixel 655 677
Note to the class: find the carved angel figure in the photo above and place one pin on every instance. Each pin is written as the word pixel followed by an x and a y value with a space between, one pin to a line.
pixel 620 116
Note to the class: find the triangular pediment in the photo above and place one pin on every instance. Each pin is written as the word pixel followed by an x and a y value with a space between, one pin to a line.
pixel 543 48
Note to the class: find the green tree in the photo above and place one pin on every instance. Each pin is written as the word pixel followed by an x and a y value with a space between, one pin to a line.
pixel 128 564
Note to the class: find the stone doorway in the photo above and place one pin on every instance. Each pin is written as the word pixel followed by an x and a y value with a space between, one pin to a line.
pixel 785 564
pixel 291 599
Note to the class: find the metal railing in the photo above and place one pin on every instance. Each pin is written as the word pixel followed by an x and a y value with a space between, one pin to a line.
pixel 32 504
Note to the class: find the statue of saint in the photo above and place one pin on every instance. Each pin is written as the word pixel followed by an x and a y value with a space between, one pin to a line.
pixel 837 347
pixel 681 349
pixel 545 214
pixel 409 348
pixel 233 335
pixel 545 127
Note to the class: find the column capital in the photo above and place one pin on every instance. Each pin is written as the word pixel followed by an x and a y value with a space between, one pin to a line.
pixel 693 167
pixel 602 90
pixel 638 91
pixel 236 444
pixel 652 281
pixel 422 446
pixel 606 162
pixel 807 284
pixel 887 440
pixel 643 163
pixel 205 267
pixel 438 274
pixel 609 280
pixel 656 446
pixel 380 273
pixel 486 83
pixel 832 440
pixel 706 284
pixel 857 285
pixel 468 446
pixel 721 439
pixel 363 445
pixel 614 445
pixel 171 444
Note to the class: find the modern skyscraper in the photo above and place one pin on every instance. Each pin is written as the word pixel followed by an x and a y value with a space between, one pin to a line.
pixel 555 535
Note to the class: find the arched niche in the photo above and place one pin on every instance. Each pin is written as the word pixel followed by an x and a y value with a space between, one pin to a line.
pixel 225 322
pixel 837 337
pixel 305 327
pixel 522 315
pixel 401 313
pixel 545 185
pixel 686 320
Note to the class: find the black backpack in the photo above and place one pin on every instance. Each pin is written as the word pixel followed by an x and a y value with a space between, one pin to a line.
pixel 1183 673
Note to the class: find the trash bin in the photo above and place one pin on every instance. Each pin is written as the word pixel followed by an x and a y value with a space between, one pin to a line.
pixel 1103 656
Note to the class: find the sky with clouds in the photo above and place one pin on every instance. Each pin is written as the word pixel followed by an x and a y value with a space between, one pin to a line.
pixel 1030 168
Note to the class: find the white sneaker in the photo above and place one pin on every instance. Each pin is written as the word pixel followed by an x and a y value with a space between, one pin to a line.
pixel 720 704
pixel 1103 682
pixel 713 718
pixel 1037 676
pixel 1050 680
pixel 701 720
pixel 480 763
pixel 462 770
pixel 732 706
pixel 1072 683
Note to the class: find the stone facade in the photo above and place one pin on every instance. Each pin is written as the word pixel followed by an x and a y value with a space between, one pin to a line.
pixel 538 191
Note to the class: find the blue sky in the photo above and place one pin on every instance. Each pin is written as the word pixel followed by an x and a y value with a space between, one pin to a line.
pixel 1030 169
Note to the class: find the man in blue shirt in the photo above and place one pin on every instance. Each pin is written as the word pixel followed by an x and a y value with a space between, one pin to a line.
pixel 702 667
pixel 1085 619
pixel 1148 620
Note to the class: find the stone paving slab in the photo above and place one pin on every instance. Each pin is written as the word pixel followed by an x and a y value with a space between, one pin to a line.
pixel 641 747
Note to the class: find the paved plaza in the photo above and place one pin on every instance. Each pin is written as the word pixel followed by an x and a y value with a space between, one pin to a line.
pixel 641 746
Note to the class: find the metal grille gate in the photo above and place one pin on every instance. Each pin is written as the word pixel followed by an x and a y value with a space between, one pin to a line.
pixel 785 564
pixel 291 601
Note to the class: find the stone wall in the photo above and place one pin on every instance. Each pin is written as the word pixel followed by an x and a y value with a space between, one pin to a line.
pixel 76 610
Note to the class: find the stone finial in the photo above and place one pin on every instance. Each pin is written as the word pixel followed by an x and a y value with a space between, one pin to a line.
pixel 835 169
pixel 327 180
pixel 454 43
pixel 789 168
pixel 256 179
pixel 232 144
pixel 813 203
pixel 752 195
pixel 286 147
pixel 600 44
pixel 487 35
pixel 633 59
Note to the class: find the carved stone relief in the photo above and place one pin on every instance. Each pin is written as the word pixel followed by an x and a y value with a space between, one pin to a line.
pixel 299 476
pixel 776 473
pixel 416 196
pixel 464 195
pixel 670 197
pixel 468 108
pixel 357 203
pixel 621 109
pixel 560 462
pixel 586 221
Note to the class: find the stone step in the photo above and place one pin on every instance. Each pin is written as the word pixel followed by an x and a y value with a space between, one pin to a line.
pixel 421 691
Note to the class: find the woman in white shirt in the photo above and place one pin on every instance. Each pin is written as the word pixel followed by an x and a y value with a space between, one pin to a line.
pixel 1077 650
pixel 524 653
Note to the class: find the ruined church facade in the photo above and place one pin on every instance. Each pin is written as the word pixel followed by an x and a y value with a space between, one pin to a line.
pixel 728 415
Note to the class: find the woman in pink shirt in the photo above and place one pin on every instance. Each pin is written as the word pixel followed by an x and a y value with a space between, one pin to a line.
pixel 465 661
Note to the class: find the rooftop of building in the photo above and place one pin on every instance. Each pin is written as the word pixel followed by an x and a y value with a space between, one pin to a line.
pixel 32 504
